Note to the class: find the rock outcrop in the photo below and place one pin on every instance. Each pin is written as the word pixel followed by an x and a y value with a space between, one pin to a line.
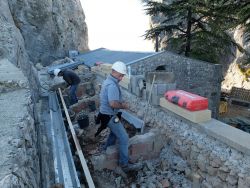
pixel 45 30
pixel 50 28
pixel 234 76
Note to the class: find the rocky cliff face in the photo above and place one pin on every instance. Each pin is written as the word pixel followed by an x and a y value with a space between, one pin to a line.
pixel 11 40
pixel 45 30
pixel 233 76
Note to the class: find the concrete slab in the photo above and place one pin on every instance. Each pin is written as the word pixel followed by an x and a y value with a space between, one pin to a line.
pixel 232 136
pixel 196 116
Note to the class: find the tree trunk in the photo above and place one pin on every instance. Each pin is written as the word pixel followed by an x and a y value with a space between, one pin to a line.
pixel 188 33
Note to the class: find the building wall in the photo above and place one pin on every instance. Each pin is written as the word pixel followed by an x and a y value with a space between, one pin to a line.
pixel 191 75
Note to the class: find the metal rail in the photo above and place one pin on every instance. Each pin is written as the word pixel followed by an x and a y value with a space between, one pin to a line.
pixel 65 172
pixel 78 147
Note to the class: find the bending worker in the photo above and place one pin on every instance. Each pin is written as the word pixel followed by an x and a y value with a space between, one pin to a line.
pixel 110 103
pixel 72 79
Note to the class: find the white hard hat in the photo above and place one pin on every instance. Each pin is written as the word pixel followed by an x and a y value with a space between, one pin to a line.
pixel 56 71
pixel 120 67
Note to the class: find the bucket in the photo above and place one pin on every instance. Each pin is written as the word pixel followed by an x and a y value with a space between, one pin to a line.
pixel 83 121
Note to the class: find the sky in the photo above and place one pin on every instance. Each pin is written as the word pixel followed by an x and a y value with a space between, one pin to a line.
pixel 116 25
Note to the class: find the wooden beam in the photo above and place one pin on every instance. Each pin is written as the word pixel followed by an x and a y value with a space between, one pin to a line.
pixel 78 147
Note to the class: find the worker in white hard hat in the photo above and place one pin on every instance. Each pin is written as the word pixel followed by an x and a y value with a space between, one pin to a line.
pixel 110 102
pixel 72 79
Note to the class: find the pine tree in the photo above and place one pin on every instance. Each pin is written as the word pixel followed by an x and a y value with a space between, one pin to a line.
pixel 197 29
pixel 243 10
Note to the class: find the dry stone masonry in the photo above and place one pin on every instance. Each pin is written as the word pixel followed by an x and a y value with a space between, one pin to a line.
pixel 191 75
pixel 217 164
pixel 187 150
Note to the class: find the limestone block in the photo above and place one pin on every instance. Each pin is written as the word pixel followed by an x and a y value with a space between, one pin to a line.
pixel 232 180
pixel 141 145
pixel 202 163
pixel 211 170
pixel 196 116
pixel 196 181
pixel 244 182
pixel 155 99
pixel 222 175
pixel 205 184
pixel 112 153
pixel 159 142
pixel 144 94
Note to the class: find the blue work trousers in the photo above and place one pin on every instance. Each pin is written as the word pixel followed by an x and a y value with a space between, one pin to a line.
pixel 118 132
pixel 72 93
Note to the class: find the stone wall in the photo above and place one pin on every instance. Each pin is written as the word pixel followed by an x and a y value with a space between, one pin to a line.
pixel 191 75
pixel 215 163
pixel 19 166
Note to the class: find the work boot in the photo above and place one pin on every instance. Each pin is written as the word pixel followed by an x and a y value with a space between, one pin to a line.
pixel 131 167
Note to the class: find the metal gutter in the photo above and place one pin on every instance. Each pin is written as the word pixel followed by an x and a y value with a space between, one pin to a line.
pixel 78 147
pixel 65 172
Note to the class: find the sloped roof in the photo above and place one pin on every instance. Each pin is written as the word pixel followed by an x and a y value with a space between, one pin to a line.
pixel 110 56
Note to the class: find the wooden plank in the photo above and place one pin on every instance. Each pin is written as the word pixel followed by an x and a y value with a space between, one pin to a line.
pixel 194 116
pixel 78 147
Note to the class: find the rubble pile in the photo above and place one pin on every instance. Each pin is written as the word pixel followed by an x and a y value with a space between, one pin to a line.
pixel 167 171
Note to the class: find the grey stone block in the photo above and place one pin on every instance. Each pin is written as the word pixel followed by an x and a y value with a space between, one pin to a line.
pixel 134 82
pixel 144 94
pixel 162 88
pixel 155 99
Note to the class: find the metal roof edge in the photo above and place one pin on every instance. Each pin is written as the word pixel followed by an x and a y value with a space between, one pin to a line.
pixel 156 53
pixel 91 51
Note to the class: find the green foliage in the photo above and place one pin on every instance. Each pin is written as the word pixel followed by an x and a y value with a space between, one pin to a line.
pixel 197 28
pixel 244 14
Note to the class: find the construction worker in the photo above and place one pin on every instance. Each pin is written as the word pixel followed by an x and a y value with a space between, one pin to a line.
pixel 72 79
pixel 110 102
